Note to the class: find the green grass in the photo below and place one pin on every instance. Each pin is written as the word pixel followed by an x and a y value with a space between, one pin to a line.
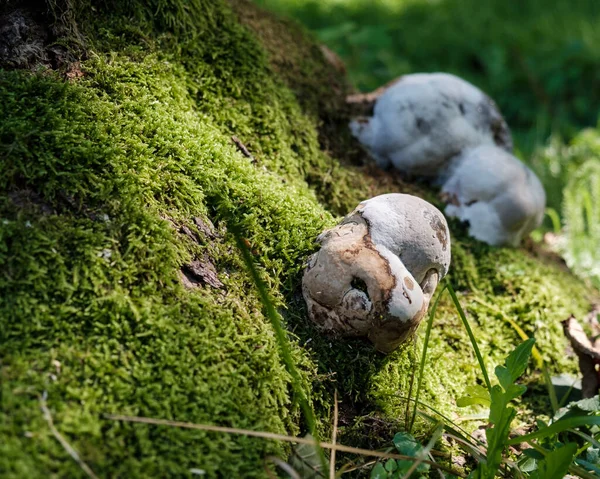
pixel 536 59
pixel 97 178
pixel 577 166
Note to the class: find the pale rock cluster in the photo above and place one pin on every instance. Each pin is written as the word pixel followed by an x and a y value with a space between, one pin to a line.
pixel 376 271
pixel 439 126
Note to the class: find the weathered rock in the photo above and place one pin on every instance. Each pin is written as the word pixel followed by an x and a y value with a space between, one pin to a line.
pixel 498 195
pixel 439 126
pixel 423 120
pixel 377 270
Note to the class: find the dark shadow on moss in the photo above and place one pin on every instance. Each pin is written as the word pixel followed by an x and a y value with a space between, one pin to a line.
pixel 348 366
pixel 319 85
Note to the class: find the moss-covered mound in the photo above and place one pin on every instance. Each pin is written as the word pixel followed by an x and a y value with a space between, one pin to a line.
pixel 121 289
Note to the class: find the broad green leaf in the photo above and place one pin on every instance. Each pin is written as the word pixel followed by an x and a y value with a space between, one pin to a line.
pixel 423 467
pixel 579 408
pixel 497 437
pixel 501 415
pixel 466 401
pixel 397 474
pixel 474 395
pixel 516 362
pixel 556 463
pixel 403 467
pixel 306 461
pixel 391 465
pixel 514 391
pixel 504 376
pixel 497 405
pixel 379 472
pixel 589 405
pixel 528 464
pixel 406 444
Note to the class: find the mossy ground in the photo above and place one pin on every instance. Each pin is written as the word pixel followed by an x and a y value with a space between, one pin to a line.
pixel 98 177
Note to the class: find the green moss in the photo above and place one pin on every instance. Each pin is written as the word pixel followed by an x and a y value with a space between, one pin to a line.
pixel 100 293
pixel 99 175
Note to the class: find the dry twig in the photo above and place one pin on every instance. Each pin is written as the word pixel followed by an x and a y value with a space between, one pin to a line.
pixel 63 442
pixel 271 435
pixel 587 350
pixel 333 436
pixel 242 148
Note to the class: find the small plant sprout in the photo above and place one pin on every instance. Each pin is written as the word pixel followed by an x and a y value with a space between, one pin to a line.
pixel 552 452
pixel 402 469
pixel 377 270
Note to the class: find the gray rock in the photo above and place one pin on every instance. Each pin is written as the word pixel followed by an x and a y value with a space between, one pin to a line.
pixel 377 270
pixel 424 119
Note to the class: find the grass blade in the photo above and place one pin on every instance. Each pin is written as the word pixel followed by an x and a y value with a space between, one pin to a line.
pixel 558 426
pixel 282 339
pixel 273 436
pixel 334 436
pixel 465 322
pixel 424 355
pixel 551 390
